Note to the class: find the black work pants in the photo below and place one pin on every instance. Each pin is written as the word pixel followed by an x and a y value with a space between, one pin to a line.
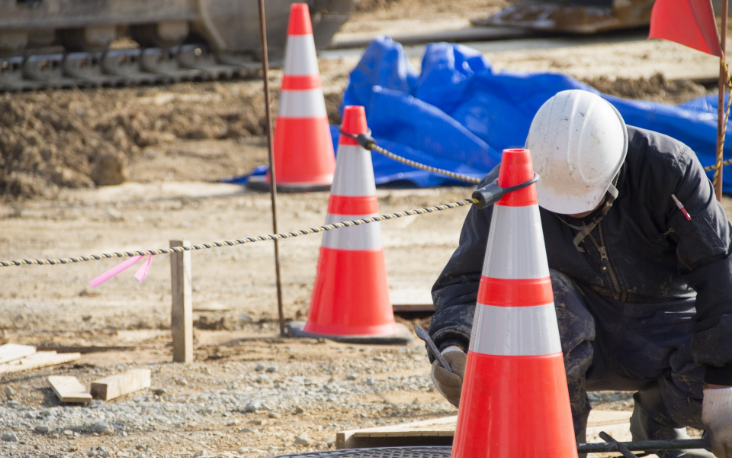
pixel 646 348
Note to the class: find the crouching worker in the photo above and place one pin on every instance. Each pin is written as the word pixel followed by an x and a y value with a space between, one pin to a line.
pixel 642 289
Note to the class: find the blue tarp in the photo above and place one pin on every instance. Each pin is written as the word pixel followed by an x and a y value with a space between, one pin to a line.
pixel 459 114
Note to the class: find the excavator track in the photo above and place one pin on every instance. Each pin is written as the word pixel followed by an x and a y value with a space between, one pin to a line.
pixel 119 67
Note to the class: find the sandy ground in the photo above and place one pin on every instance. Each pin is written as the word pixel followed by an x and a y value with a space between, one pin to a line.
pixel 174 142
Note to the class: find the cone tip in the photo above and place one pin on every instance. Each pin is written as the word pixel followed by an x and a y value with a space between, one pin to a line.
pixel 354 122
pixel 300 20
pixel 516 168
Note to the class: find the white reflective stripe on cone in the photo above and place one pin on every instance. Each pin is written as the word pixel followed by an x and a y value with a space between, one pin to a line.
pixel 302 104
pixel 364 237
pixel 300 57
pixel 515 331
pixel 354 172
pixel 515 248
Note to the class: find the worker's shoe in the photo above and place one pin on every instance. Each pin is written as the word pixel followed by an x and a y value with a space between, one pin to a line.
pixel 644 426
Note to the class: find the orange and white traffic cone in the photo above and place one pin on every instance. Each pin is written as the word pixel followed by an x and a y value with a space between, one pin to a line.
pixel 303 147
pixel 350 300
pixel 515 401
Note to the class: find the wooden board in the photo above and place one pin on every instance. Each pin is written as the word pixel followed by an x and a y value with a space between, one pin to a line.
pixel 11 352
pixel 412 301
pixel 440 431
pixel 69 389
pixel 119 385
pixel 37 360
pixel 83 349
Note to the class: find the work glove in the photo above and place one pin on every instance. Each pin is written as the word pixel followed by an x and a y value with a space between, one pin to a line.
pixel 450 384
pixel 717 417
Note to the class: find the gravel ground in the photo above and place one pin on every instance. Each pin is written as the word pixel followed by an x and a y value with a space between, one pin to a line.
pixel 293 401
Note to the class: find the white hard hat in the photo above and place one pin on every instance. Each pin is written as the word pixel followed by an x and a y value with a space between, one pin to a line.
pixel 578 143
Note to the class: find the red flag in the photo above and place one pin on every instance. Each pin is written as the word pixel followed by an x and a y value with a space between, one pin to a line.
pixel 688 22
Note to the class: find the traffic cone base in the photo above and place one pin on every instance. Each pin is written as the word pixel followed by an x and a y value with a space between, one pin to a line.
pixel 332 286
pixel 350 301
pixel 311 131
pixel 532 402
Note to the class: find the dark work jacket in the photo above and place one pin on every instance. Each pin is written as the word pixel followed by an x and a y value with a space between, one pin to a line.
pixel 652 253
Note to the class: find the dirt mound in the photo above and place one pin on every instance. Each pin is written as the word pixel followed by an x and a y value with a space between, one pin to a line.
pixel 43 148
pixel 656 88
pixel 74 139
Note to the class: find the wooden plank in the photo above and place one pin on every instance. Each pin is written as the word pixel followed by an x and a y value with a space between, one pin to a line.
pixel 440 431
pixel 413 308
pixel 181 314
pixel 11 352
pixel 69 389
pixel 119 385
pixel 83 349
pixel 412 301
pixel 38 360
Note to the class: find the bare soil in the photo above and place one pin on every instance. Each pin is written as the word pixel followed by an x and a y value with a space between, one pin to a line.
pixel 655 89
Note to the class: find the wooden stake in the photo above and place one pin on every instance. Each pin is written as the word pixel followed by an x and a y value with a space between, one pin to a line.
pixel 270 153
pixel 721 107
pixel 181 313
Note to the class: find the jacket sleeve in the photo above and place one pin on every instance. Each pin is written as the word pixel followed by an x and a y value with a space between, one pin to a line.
pixel 456 289
pixel 703 251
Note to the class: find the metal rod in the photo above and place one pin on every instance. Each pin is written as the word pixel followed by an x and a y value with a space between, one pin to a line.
pixel 720 108
pixel 645 446
pixel 270 155
pixel 424 335
pixel 621 448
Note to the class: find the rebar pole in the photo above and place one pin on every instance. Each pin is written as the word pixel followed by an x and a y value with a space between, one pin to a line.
pixel 270 155
pixel 720 108
pixel 645 446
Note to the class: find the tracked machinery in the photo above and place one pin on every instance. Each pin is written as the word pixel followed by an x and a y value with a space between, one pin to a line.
pixel 573 16
pixel 91 43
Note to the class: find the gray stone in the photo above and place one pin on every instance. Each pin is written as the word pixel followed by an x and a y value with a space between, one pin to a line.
pixel 299 410
pixel 251 407
pixel 41 429
pixel 273 415
pixel 158 391
pixel 13 404
pixel 259 368
pixel 103 428
pixel 9 392
pixel 10 437
pixel 302 440
pixel 351 377
pixel 262 379
pixel 272 369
